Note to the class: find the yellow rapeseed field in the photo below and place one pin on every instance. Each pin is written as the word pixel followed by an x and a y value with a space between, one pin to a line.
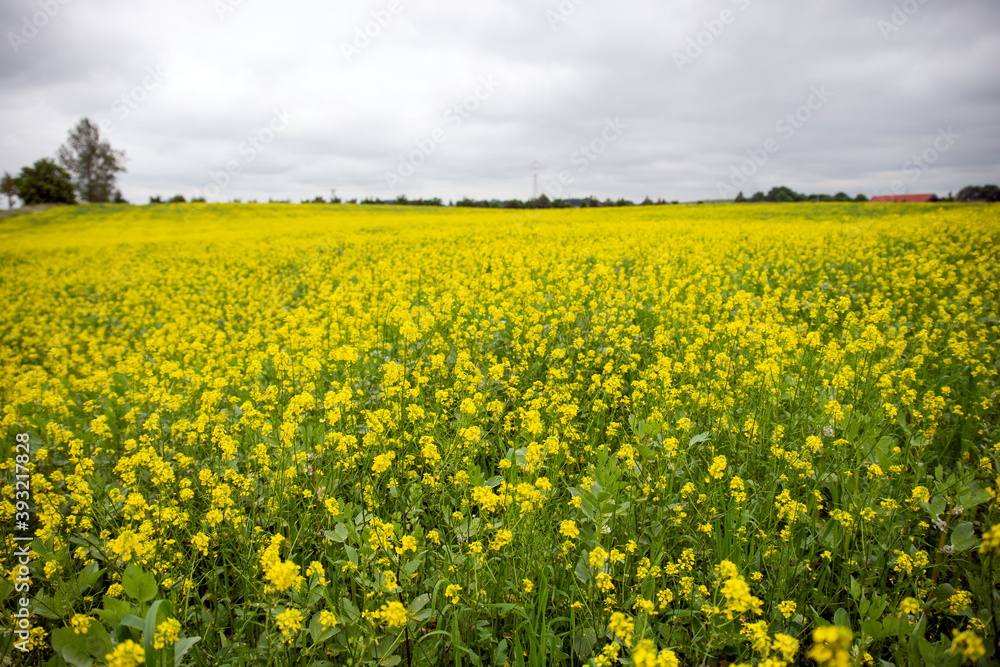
pixel 365 435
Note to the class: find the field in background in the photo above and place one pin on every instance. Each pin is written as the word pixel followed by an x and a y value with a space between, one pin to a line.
pixel 344 435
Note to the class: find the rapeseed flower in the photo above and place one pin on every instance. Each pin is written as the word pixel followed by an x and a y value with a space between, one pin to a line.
pixel 830 646
pixel 126 654
pixel 283 575
pixel 967 644
pixel 167 633
pixel 394 614
pixel 568 529
pixel 622 626
pixel 289 622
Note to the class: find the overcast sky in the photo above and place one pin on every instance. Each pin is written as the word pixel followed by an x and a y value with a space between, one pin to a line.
pixel 674 99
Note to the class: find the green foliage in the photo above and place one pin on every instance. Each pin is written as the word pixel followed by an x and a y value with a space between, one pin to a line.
pixel 45 183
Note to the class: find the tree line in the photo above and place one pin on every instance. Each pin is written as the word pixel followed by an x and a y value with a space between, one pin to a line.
pixel 87 170
pixel 970 193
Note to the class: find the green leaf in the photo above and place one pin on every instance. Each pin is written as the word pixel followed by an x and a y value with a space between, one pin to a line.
pixel 500 654
pixel 872 628
pixel 338 534
pixel 138 584
pixel 56 661
pixel 419 603
pixel 842 618
pixel 88 576
pixel 114 611
pixel 350 610
pixel 53 606
pixel 584 641
pixel 71 647
pixel 6 588
pixel 412 566
pixel 855 589
pixel 80 650
pixel 182 646
pixel 963 537
pixel 98 641
pixel 132 621
pixel 701 437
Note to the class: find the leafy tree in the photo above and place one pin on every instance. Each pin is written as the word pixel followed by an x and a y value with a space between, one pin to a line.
pixel 45 183
pixel 93 163
pixel 784 194
pixel 9 188
pixel 979 193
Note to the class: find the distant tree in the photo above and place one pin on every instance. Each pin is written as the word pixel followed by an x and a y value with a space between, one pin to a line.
pixel 784 194
pixel 118 198
pixel 44 183
pixel 177 199
pixel 155 200
pixel 861 198
pixel 93 163
pixel 979 193
pixel 9 188
pixel 968 193
pixel 740 198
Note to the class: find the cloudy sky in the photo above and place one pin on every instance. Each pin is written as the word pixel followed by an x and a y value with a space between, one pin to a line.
pixel 671 98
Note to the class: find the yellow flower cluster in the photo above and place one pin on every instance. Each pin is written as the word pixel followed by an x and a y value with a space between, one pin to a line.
pixel 394 614
pixel 967 644
pixel 126 654
pixel 167 633
pixel 831 646
pixel 289 623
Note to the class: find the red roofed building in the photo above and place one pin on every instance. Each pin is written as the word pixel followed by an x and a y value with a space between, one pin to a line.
pixel 919 199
